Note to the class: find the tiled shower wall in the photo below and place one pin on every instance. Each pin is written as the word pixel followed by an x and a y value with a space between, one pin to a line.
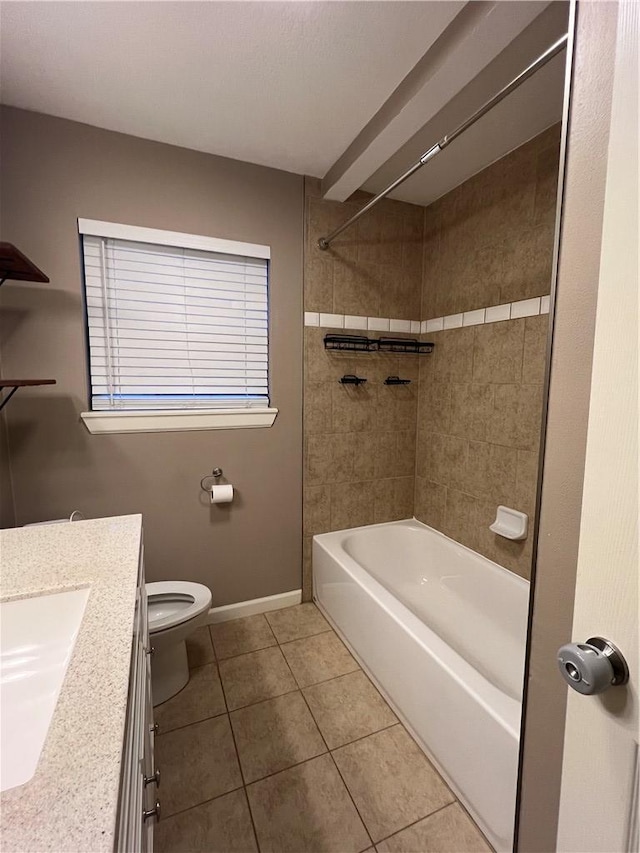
pixel 488 242
pixel 477 405
pixel 359 442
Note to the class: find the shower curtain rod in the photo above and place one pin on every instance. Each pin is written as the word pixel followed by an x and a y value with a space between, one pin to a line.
pixel 325 242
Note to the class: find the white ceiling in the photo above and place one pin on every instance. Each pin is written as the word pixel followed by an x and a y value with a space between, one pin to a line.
pixel 282 84
pixel 352 92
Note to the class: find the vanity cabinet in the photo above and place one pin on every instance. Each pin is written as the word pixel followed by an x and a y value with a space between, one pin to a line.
pixel 139 807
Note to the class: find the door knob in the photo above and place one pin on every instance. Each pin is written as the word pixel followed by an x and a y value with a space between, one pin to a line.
pixel 592 667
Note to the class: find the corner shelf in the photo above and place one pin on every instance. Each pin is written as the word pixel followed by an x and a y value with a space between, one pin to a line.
pixel 14 384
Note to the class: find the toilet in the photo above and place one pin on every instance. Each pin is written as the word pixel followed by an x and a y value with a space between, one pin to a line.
pixel 175 608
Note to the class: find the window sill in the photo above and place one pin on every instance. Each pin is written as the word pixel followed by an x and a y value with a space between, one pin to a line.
pixel 177 421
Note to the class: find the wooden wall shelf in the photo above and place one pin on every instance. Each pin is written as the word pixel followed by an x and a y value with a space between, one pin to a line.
pixel 16 266
pixel 14 384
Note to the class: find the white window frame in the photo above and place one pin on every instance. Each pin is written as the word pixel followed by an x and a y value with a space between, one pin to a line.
pixel 173 420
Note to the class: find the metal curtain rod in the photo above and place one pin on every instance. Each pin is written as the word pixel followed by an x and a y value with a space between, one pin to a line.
pixel 325 242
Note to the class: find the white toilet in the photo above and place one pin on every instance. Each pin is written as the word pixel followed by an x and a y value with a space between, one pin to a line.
pixel 176 608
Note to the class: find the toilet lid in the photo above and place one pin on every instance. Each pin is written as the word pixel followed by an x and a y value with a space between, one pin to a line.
pixel 170 603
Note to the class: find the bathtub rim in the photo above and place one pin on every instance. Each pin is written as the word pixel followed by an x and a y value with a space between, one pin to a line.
pixel 506 710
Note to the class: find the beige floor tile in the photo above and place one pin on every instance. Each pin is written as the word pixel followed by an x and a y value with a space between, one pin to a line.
pixel 200 647
pixel 318 658
pixel 222 825
pixel 293 623
pixel 197 763
pixel 201 698
pixel 450 830
pixel 348 708
pixel 391 781
pixel 275 734
pixel 256 676
pixel 241 636
pixel 306 809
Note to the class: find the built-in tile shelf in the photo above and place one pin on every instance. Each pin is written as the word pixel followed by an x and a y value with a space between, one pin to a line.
pixel 492 314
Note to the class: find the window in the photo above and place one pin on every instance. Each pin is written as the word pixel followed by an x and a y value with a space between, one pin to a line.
pixel 175 322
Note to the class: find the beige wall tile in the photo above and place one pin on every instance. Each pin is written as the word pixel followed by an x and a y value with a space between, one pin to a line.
pixel 354 407
pixel 430 503
pixel 516 416
pixel 468 425
pixel 527 264
pixel 352 505
pixel 317 407
pixel 460 521
pixel 471 409
pixel 318 285
pixel 442 458
pixel 497 352
pixel 434 405
pixel 481 277
pixel 454 354
pixel 547 168
pixel 491 472
pixel 393 499
pixel 316 509
pixel 534 359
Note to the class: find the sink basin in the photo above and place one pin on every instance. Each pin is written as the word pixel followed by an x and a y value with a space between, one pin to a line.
pixel 37 639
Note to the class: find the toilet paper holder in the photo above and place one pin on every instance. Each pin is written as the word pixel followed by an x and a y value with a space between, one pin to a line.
pixel 215 475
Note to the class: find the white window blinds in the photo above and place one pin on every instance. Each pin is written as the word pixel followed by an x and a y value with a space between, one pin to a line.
pixel 174 328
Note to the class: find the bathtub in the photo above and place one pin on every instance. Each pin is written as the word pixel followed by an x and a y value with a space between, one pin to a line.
pixel 442 631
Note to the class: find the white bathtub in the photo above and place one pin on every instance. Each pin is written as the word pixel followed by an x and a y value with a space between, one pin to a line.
pixel 442 631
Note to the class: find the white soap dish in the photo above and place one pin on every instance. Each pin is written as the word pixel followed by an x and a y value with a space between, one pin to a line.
pixel 510 523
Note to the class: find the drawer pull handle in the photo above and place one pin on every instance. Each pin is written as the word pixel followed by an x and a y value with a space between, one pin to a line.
pixel 154 729
pixel 150 651
pixel 154 812
pixel 148 780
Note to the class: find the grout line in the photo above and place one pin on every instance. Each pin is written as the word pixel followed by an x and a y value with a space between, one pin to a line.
pixel 242 654
pixel 235 746
pixel 370 734
pixel 164 731
pixel 202 803
pixel 414 822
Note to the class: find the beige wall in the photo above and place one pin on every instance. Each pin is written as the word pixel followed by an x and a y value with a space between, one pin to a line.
pixel 359 442
pixel 488 242
pixel 54 171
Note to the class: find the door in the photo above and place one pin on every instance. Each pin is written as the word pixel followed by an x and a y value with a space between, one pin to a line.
pixel 599 785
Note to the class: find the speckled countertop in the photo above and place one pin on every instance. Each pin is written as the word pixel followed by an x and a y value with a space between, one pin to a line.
pixel 71 802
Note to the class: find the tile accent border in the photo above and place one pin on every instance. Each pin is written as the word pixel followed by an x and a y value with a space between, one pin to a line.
pixel 256 605
pixel 491 314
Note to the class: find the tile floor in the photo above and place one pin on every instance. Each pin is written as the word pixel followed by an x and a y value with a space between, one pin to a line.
pixel 281 744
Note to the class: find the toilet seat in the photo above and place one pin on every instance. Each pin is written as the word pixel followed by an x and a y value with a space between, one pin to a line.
pixel 172 603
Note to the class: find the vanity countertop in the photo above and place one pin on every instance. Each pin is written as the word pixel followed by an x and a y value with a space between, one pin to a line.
pixel 71 802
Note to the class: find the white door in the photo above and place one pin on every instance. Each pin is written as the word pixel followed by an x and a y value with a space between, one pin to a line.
pixel 599 795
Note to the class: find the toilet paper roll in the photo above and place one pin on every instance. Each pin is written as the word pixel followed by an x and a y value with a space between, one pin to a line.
pixel 222 494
